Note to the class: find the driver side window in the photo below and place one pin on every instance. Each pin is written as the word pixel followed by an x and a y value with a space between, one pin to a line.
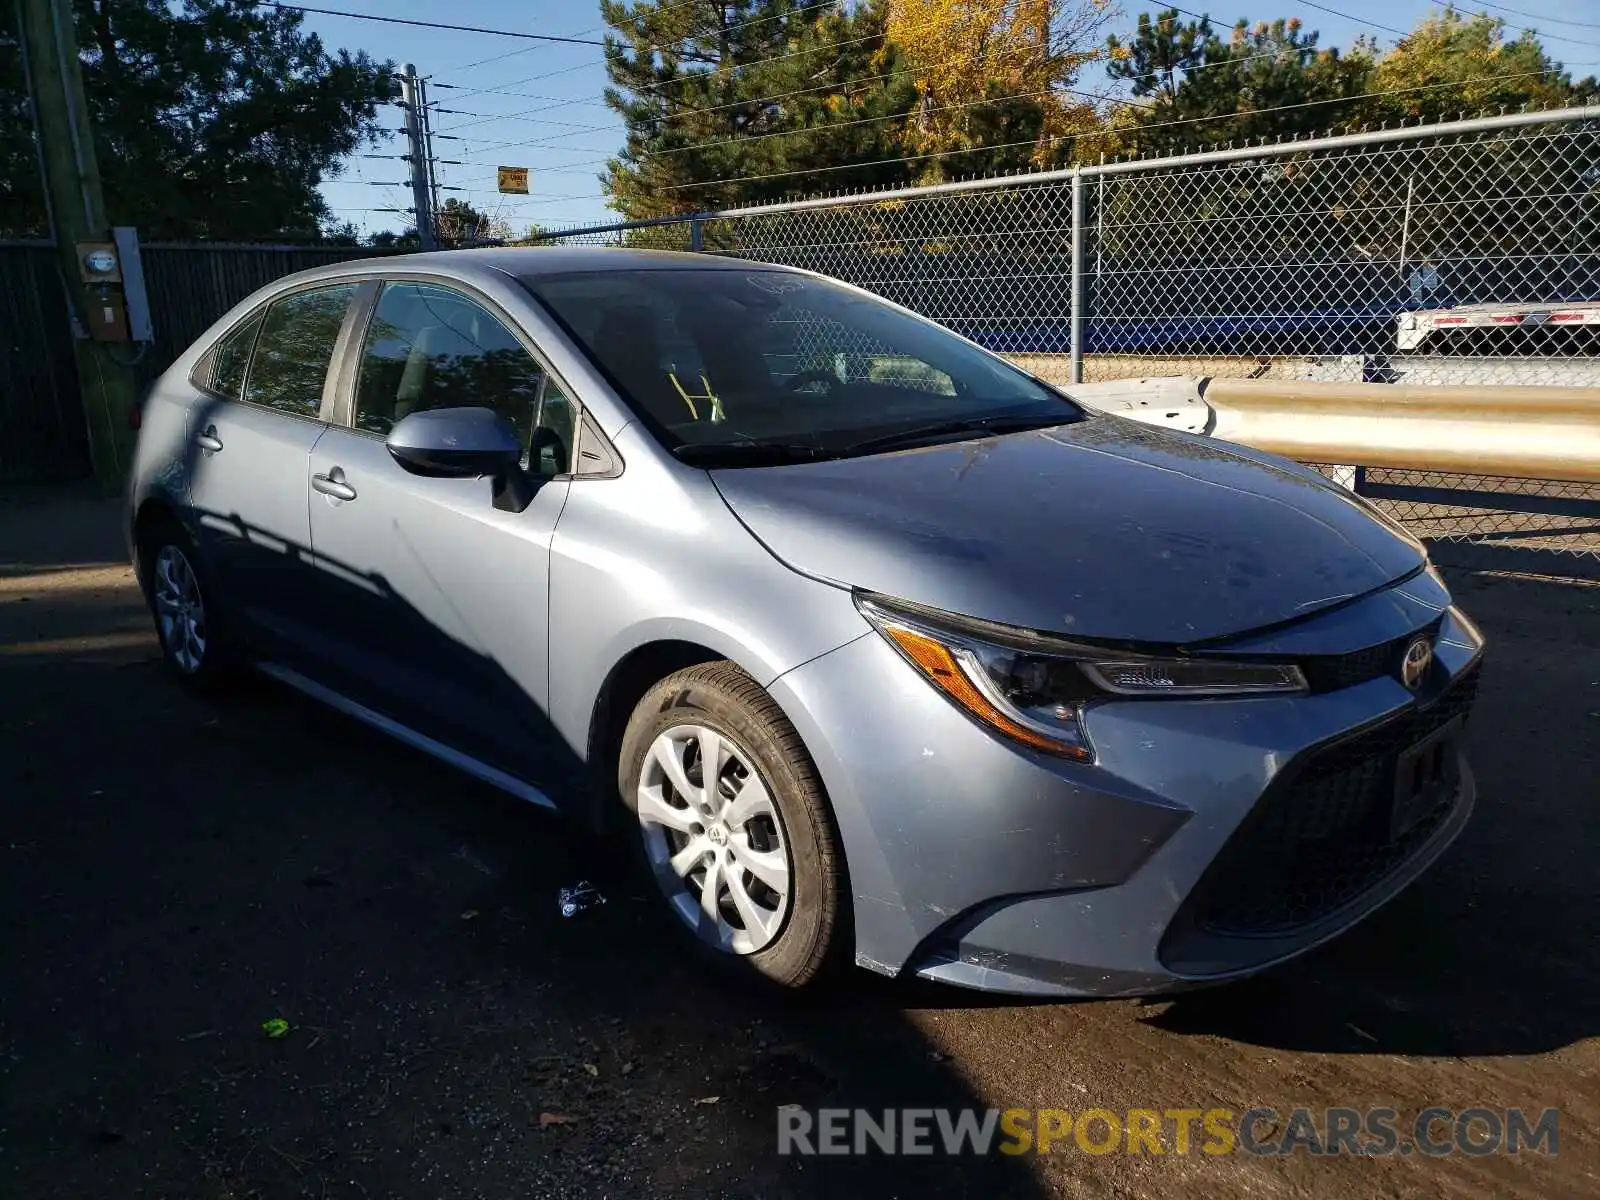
pixel 429 346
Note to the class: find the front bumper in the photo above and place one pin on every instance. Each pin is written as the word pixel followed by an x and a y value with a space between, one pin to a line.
pixel 982 864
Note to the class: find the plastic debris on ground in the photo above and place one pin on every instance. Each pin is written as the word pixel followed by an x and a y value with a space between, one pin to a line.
pixel 580 897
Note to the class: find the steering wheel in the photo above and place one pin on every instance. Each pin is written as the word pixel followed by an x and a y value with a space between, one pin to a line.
pixel 815 375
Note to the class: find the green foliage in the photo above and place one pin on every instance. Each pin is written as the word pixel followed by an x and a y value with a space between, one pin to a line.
pixel 1478 68
pixel 460 224
pixel 1198 89
pixel 213 119
pixel 713 92
pixel 1163 49
pixel 1194 89
pixel 995 80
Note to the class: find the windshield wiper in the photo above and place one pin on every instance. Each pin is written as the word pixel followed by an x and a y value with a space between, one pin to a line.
pixel 748 454
pixel 989 425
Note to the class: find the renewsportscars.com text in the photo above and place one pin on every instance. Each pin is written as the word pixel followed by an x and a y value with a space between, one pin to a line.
pixel 1372 1132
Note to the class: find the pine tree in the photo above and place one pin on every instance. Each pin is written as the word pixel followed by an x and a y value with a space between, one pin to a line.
pixel 212 118
pixel 1162 51
pixel 715 92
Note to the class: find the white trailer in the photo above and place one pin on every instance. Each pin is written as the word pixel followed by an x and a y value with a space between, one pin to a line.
pixel 1415 328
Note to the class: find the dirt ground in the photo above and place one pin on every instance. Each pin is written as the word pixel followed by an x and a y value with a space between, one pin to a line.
pixel 174 872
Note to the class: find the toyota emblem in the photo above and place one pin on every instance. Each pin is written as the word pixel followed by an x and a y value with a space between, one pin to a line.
pixel 1414 666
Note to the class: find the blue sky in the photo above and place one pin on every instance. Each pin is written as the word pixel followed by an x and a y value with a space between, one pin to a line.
pixel 519 91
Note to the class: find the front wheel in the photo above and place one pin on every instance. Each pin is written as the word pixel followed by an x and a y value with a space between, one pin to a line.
pixel 733 828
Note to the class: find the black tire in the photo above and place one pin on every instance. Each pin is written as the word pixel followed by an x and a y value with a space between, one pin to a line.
pixel 218 662
pixel 814 939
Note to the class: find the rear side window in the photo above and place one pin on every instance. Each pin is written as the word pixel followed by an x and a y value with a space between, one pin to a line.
pixel 294 349
pixel 231 356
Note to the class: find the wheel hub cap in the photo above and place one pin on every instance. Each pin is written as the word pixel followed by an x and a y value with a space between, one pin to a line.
pixel 715 841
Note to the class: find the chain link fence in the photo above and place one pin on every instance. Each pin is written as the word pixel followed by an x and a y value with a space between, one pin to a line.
pixel 1460 253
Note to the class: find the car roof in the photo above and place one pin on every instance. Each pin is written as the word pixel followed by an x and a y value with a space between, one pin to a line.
pixel 555 260
pixel 483 266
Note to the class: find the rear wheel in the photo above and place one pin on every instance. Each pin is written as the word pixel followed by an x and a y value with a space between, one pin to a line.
pixel 183 605
pixel 732 827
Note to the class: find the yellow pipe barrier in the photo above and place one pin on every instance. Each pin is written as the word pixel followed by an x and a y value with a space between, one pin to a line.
pixel 1517 432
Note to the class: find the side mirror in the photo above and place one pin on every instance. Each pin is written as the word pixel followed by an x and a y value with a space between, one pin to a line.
pixel 455 443
pixel 545 438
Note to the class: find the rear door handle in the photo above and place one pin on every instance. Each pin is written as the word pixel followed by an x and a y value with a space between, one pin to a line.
pixel 209 440
pixel 333 484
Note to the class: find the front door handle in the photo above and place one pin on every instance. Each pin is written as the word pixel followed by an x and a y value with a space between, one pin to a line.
pixel 209 441
pixel 333 484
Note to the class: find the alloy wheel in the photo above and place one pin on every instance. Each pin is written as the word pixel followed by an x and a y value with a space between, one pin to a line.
pixel 180 609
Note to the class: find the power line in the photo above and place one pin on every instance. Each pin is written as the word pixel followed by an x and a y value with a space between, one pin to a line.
pixel 1098 133
pixel 556 101
pixel 1334 12
pixel 964 105
pixel 514 33
pixel 1553 37
pixel 652 46
pixel 701 76
pixel 583 66
pixel 526 115
pixel 1537 17
pixel 526 49
pixel 1405 33
pixel 918 112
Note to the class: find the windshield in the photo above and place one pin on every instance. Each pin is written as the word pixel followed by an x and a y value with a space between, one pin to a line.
pixel 736 367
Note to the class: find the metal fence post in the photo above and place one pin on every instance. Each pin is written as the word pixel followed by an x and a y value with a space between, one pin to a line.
pixel 696 241
pixel 1076 348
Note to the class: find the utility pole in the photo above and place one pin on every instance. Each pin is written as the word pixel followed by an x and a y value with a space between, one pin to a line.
pixel 416 144
pixel 427 143
pixel 77 216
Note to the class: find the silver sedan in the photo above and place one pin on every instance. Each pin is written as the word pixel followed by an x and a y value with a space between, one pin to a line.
pixel 868 645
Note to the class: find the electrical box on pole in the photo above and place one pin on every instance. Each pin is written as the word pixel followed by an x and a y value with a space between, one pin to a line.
pixel 104 288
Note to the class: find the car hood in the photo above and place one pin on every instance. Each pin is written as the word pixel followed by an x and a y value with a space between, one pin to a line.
pixel 1101 529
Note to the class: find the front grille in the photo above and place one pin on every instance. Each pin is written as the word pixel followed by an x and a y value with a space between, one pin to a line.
pixel 1330 672
pixel 1321 836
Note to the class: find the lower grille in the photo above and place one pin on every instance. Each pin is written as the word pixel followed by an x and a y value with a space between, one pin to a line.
pixel 1322 836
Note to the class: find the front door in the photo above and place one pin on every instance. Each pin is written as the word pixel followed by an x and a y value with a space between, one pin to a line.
pixel 436 600
pixel 259 415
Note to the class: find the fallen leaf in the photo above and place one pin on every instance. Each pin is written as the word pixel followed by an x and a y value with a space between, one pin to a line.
pixel 469 914
pixel 592 1069
pixel 548 1119
pixel 275 1027
pixel 708 1099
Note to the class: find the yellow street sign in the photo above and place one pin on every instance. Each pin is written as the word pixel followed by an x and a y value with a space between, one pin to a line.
pixel 514 180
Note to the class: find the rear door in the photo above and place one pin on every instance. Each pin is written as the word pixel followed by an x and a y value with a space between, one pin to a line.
pixel 433 600
pixel 264 391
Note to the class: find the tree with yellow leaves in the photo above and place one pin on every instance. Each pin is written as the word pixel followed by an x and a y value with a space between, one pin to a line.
pixel 991 74
pixel 1452 64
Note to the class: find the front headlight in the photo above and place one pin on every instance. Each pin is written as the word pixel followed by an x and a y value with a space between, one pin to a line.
pixel 1032 687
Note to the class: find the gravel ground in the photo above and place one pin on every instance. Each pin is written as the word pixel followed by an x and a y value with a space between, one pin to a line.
pixel 174 872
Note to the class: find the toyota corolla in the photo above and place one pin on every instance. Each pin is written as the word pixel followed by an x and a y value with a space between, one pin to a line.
pixel 868 645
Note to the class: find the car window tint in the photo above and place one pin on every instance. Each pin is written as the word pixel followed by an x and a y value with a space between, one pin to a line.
pixel 430 347
pixel 230 357
pixel 293 351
